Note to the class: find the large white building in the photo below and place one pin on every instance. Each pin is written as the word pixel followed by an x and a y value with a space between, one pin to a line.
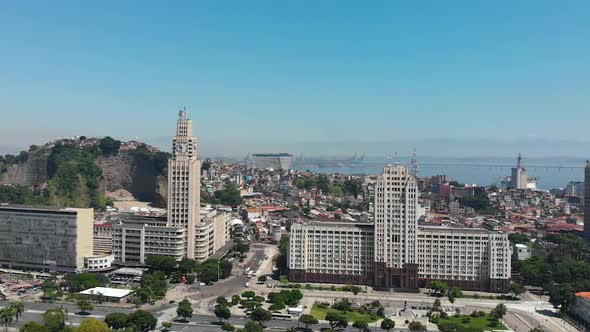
pixel 333 252
pixel 519 176
pixel 470 258
pixel 396 201
pixel 44 238
pixel 184 183
pixel 275 161
pixel 394 252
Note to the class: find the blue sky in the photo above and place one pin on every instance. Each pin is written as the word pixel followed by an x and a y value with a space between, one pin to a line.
pixel 329 77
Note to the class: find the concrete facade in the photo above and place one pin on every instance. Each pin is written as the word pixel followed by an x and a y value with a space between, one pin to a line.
pixel 470 258
pixel 45 239
pixel 184 183
pixel 334 252
pixel 396 200
pixel 136 238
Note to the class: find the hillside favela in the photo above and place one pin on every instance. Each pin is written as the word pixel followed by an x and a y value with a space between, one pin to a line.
pixel 331 166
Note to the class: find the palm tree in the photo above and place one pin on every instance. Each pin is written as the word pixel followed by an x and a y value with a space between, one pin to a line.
pixel 6 316
pixel 18 308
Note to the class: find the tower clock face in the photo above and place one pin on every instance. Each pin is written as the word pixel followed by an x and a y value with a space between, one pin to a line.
pixel 180 147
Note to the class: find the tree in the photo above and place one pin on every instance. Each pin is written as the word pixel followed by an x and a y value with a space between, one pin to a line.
pixel 84 306
pixel 561 296
pixel 361 325
pixel 387 324
pixel 117 320
pixel 51 290
pixel 54 319
pixel 261 315
pixel 225 266
pixel 228 327
pixel 241 247
pixel 438 287
pixel 336 319
pixel 252 327
pixel 109 146
pixel 307 320
pixel 187 265
pixel 6 316
pixel 83 281
pixel 416 326
pixel 33 327
pixel 277 306
pixel 355 289
pixel 517 289
pixel 222 312
pixel 456 292
pixel 262 278
pixel 343 306
pixel 248 294
pixel 537 329
pixel 229 195
pixel 143 320
pixel 93 325
pixel 167 326
pixel 18 308
pixel 235 300
pixel 185 309
pixel 499 311
pixel 165 264
pixel 222 301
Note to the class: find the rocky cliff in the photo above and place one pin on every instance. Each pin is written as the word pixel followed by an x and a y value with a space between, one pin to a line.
pixel 135 167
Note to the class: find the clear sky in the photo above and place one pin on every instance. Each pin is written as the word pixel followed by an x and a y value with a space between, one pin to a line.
pixel 318 77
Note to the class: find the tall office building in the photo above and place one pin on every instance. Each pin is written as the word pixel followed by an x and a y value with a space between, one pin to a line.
pixel 44 238
pixel 184 182
pixel 587 199
pixel 396 200
pixel 519 177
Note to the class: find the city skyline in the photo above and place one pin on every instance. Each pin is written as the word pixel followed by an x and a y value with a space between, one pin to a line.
pixel 459 77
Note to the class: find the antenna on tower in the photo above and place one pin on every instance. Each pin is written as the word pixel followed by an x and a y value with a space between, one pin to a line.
pixel 519 161
pixel 414 163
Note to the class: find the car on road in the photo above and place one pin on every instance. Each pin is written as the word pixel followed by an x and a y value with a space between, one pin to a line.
pixel 247 284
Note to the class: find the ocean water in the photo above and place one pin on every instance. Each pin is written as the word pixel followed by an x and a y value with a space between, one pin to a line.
pixel 551 172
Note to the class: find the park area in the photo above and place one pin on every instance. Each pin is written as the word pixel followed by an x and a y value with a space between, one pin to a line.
pixel 474 322
pixel 344 308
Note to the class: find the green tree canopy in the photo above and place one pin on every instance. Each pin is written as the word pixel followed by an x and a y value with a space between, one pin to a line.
pixel 143 320
pixel 185 309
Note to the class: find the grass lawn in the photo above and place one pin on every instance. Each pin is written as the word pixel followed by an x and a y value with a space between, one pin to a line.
pixel 476 323
pixel 320 313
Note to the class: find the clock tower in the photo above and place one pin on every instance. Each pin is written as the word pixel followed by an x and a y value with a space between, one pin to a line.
pixel 184 182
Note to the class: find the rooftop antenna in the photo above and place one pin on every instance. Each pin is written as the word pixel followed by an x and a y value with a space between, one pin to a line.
pixel 414 163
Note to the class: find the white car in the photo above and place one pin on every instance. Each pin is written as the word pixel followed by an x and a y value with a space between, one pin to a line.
pixel 247 284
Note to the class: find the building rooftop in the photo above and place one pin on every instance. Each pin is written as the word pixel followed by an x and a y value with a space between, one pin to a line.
pixel 23 208
pixel 108 292
pixel 282 154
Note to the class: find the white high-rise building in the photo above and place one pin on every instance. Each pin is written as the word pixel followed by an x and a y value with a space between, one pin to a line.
pixel 519 177
pixel 396 201
pixel 184 182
